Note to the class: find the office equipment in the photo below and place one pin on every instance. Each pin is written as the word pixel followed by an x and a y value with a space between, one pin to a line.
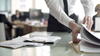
pixel 28 41
pixel 35 14
pixel 90 41
pixel 26 14
pixel 46 16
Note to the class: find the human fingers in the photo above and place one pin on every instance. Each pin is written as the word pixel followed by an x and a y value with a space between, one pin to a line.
pixel 85 20
pixel 88 22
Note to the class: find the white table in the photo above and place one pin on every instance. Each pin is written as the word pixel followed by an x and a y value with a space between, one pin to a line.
pixel 61 48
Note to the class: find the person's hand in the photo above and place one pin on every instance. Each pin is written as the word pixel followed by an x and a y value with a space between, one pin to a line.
pixel 88 22
pixel 75 30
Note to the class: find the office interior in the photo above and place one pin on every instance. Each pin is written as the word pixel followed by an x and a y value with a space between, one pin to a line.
pixel 35 19
pixel 33 10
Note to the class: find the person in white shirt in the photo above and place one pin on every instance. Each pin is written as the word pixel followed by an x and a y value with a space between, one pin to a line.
pixel 58 16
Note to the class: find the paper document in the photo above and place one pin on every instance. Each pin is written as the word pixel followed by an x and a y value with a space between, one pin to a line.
pixel 90 40
pixel 12 44
pixel 41 33
pixel 37 39
pixel 44 39
pixel 91 37
pixel 18 42
pixel 87 47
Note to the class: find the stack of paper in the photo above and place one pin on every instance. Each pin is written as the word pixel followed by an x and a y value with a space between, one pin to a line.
pixel 37 39
pixel 90 40
pixel 17 44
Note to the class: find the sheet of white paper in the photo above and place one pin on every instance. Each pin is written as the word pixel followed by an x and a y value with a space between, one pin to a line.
pixel 41 33
pixel 37 36
pixel 18 42
pixel 45 38
pixel 13 44
pixel 97 24
pixel 97 34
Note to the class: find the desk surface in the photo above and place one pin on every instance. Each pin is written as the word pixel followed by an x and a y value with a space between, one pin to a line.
pixel 61 48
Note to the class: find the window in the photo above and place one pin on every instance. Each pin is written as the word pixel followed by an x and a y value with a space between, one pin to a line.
pixel 5 5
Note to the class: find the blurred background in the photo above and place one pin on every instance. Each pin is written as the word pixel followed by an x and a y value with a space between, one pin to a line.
pixel 32 15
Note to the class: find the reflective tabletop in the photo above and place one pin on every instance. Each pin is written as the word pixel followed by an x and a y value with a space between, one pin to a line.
pixel 60 48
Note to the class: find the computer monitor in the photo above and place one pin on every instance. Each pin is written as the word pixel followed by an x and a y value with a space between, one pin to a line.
pixel 35 14
pixel 46 16
pixel 26 14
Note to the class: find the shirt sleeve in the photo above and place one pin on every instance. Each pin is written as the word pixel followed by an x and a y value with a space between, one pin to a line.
pixel 57 11
pixel 88 7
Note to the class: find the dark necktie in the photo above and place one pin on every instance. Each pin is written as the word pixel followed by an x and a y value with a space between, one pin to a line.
pixel 65 6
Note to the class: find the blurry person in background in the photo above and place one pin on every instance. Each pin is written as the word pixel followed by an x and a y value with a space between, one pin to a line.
pixel 17 18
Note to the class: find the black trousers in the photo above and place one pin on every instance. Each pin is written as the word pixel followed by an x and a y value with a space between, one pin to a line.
pixel 19 32
pixel 55 26
pixel 8 32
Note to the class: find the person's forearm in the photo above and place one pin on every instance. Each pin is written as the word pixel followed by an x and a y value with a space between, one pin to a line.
pixel 73 25
pixel 57 11
pixel 75 30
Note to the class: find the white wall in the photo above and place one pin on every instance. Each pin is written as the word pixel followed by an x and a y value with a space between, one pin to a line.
pixel 22 5
pixel 79 9
pixel 40 4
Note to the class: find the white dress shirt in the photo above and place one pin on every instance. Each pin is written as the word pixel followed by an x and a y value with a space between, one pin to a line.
pixel 57 9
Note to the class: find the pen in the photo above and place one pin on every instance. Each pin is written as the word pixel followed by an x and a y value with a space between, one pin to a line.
pixel 39 42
